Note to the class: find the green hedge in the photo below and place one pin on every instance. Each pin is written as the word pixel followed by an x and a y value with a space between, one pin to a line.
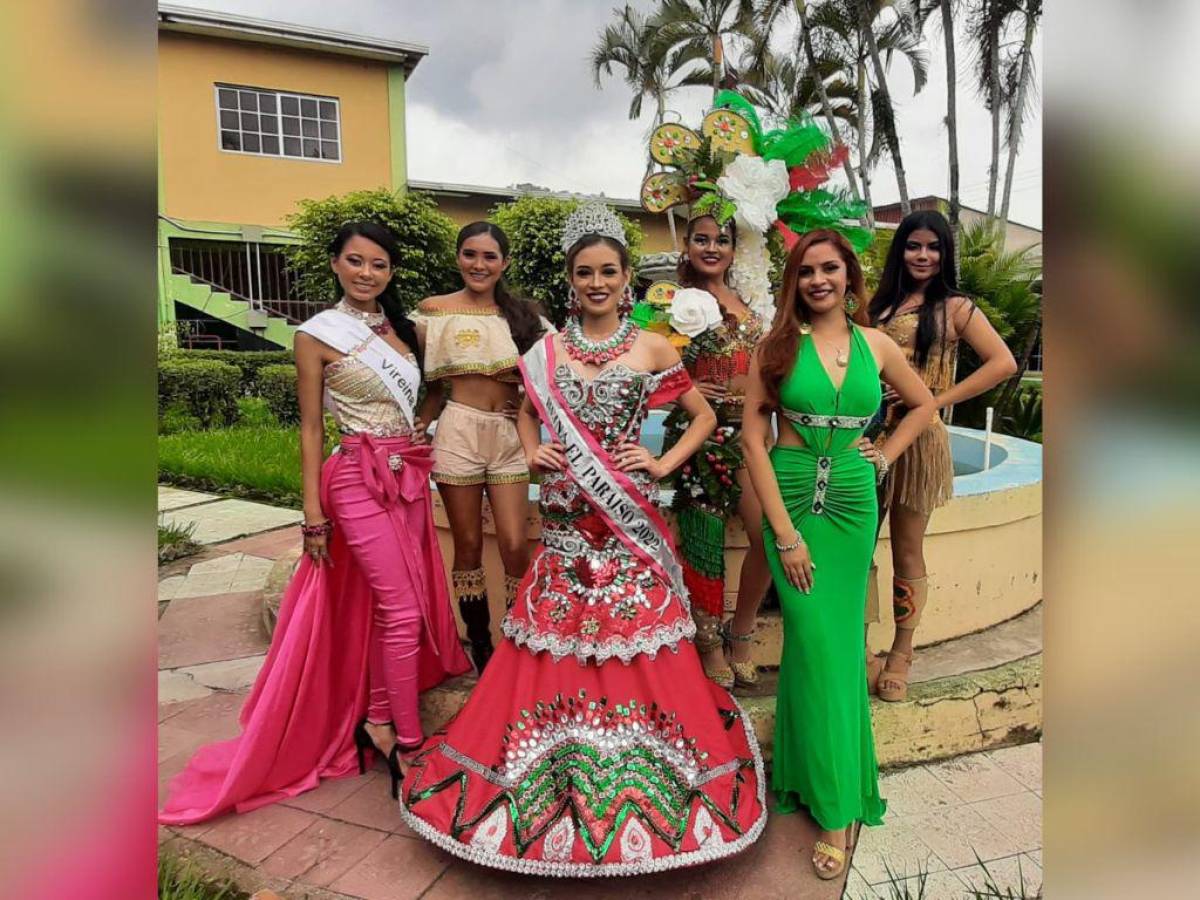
pixel 248 362
pixel 196 393
pixel 277 385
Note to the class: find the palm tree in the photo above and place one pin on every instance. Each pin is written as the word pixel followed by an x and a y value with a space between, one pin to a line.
pixel 820 69
pixel 925 9
pixel 1019 103
pixel 836 29
pixel 885 110
pixel 986 27
pixel 629 43
pixel 697 29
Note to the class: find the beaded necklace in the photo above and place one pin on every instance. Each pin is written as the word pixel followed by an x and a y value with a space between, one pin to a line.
pixel 596 353
pixel 376 321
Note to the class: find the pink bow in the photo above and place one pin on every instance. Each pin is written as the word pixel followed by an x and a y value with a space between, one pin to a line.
pixel 394 471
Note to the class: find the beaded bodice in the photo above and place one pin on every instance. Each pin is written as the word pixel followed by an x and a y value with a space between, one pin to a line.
pixel 939 370
pixel 361 403
pixel 588 596
pixel 722 355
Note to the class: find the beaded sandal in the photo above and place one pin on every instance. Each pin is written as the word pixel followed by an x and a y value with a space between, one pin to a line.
pixel 745 674
pixel 709 638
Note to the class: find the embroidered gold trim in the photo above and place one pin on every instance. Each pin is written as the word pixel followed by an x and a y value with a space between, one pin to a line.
pixel 492 368
pixel 467 581
pixel 458 480
pixel 460 311
pixel 509 478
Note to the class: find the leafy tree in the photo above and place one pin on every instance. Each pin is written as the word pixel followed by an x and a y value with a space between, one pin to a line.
pixel 425 235
pixel 534 227
pixel 697 30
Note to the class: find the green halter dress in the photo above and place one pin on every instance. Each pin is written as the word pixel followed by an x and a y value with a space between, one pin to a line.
pixel 824 755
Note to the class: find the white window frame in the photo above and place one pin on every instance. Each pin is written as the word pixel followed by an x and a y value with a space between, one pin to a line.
pixel 279 96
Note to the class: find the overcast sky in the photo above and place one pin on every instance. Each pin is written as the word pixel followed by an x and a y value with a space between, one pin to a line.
pixel 506 96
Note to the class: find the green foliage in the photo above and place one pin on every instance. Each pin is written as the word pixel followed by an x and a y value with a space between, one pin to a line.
pixel 180 879
pixel 534 227
pixel 1007 287
pixel 425 235
pixel 257 463
pixel 176 541
pixel 1024 419
pixel 255 412
pixel 873 258
pixel 248 362
pixel 203 390
pixel 277 386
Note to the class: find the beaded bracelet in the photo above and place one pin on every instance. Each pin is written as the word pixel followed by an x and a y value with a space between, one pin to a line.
pixel 881 469
pixel 318 530
pixel 797 543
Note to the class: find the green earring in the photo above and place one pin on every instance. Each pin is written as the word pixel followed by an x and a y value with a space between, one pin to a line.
pixel 851 304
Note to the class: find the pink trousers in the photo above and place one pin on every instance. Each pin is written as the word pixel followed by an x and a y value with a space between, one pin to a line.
pixel 381 546
pixel 360 635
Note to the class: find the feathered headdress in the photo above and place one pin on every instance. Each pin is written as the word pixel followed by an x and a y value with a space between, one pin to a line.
pixel 733 169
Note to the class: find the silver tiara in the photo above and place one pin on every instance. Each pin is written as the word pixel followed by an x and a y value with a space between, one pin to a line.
pixel 592 218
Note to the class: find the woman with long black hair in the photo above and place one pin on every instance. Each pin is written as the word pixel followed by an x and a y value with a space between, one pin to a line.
pixel 365 623
pixel 919 306
pixel 473 339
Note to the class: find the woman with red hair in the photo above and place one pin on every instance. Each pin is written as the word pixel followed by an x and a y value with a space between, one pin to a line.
pixel 819 369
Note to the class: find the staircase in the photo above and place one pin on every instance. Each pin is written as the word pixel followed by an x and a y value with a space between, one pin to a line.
pixel 212 301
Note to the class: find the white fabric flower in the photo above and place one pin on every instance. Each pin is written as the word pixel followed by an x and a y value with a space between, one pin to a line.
pixel 750 274
pixel 694 311
pixel 755 186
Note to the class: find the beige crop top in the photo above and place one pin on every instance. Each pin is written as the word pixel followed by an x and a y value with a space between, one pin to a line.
pixel 361 402
pixel 462 341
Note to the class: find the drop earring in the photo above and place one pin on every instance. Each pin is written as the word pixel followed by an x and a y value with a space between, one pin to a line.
pixel 851 304
pixel 572 302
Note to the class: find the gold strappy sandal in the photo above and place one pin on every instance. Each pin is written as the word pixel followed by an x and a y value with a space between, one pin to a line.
pixel 893 685
pixel 832 852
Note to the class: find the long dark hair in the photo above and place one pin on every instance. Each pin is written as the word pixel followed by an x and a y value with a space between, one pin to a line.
pixel 389 300
pixel 684 273
pixel 520 314
pixel 895 283
pixel 777 352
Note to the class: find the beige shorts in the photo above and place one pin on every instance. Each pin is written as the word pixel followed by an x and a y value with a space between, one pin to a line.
pixel 473 446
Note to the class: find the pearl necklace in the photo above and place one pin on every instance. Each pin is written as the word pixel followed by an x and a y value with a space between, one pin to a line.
pixel 376 321
pixel 596 353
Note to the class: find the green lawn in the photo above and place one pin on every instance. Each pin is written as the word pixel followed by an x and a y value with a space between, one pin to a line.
pixel 256 462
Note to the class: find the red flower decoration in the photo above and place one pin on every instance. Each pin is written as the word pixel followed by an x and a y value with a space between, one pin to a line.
pixel 594 529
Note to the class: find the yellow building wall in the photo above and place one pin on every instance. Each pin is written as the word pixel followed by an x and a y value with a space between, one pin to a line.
pixel 201 182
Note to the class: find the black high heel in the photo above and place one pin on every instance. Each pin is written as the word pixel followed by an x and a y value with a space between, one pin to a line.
pixel 362 741
pixel 393 761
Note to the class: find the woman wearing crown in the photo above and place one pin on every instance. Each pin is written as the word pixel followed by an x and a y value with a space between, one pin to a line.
pixel 593 743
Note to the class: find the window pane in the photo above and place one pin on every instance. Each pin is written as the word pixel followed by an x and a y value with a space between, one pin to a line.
pixel 290 125
pixel 266 103
pixel 229 119
pixel 328 110
pixel 291 146
pixel 249 100
pixel 249 122
pixel 227 99
pixel 308 107
pixel 329 131
pixel 329 149
pixel 312 149
pixel 290 105
pixel 230 140
pixel 268 124
pixel 270 144
pixel 250 143
pixel 310 128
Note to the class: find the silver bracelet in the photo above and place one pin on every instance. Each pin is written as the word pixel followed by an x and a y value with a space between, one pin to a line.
pixel 881 469
pixel 797 543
